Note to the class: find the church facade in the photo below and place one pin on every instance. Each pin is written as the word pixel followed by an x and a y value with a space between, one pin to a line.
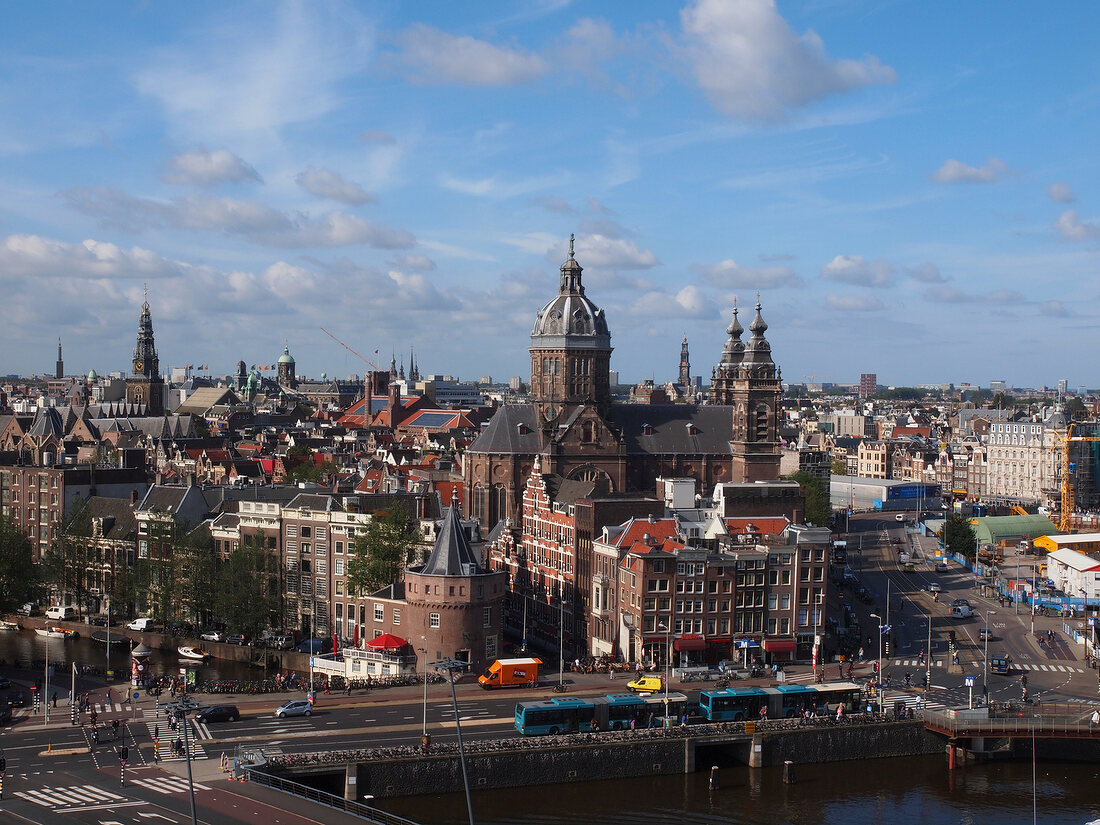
pixel 578 433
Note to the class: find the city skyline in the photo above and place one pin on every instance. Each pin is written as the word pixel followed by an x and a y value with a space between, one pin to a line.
pixel 912 196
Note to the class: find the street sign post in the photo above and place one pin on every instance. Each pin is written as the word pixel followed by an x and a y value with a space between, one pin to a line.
pixel 970 689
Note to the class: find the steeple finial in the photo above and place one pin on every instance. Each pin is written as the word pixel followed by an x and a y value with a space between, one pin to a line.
pixel 571 239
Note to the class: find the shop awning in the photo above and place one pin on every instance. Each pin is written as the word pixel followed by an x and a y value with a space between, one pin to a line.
pixel 779 645
pixel 690 643
pixel 719 640
pixel 387 641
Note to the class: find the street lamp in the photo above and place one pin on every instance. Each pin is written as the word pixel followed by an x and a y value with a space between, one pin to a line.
pixel 881 701
pixel 985 666
pixel 668 655
pixel 817 638
pixel 450 665
pixel 424 733
pixel 180 708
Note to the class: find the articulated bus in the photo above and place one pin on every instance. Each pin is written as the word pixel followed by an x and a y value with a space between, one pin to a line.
pixel 782 701
pixel 615 711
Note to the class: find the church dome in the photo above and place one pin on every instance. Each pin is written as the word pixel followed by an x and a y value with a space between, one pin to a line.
pixel 92 376
pixel 286 357
pixel 570 319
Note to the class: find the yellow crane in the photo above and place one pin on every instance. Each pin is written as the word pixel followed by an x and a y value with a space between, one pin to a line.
pixel 1065 517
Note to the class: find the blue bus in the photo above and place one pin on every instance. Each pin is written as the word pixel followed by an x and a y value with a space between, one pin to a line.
pixel 613 711
pixel 553 716
pixel 781 702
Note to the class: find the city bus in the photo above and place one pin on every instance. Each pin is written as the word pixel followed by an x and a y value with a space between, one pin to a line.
pixel 782 701
pixel 553 716
pixel 616 710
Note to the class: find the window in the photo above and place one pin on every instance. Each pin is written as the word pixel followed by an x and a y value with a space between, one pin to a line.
pixel 433 620
pixel 339 567
pixel 397 615
pixel 339 548
pixel 379 613
pixel 803 618
pixel 785 602
pixel 487 617
pixel 339 588
pixel 306 547
pixel 305 532
pixel 773 601
pixel 292 531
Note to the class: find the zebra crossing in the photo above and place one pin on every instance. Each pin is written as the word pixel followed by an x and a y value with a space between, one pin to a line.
pixel 167 784
pixel 160 729
pixel 75 798
pixel 1052 668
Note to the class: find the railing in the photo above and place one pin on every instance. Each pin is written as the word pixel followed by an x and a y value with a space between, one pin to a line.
pixel 330 800
pixel 1023 723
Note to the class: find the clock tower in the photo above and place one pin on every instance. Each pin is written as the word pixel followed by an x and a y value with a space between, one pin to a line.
pixel 145 386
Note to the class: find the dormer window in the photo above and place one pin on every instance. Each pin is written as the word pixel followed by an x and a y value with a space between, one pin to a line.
pixel 692 429
pixel 647 429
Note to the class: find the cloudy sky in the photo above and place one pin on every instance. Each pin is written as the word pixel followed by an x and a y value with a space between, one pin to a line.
pixel 913 190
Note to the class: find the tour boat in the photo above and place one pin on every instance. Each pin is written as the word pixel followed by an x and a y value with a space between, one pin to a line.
pixel 9 625
pixel 188 652
pixel 52 632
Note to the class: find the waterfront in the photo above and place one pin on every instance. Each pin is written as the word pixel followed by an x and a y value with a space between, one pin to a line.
pixel 26 649
pixel 918 789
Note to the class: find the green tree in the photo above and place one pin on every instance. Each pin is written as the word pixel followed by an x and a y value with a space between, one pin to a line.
pixel 818 508
pixel 840 466
pixel 959 537
pixel 382 551
pixel 65 564
pixel 19 581
pixel 309 472
pixel 1075 408
pixel 172 580
pixel 247 596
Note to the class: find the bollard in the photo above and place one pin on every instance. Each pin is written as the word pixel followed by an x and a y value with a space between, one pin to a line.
pixel 49 747
pixel 788 772
pixel 714 777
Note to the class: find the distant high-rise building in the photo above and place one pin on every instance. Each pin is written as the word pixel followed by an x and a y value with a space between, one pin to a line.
pixel 515 383
pixel 868 384
pixel 613 377
pixel 60 371
pixel 997 386
pixel 1063 384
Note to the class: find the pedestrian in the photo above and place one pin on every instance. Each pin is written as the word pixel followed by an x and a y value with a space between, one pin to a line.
pixel 95 737
pixel 156 749
pixel 632 723
pixel 108 697
pixel 114 727
pixel 55 698
pixel 611 671
pixel 1095 720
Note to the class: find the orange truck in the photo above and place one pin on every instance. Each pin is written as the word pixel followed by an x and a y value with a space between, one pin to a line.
pixel 510 673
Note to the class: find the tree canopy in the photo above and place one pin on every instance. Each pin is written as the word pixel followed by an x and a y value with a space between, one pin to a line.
pixel 247 593
pixel 818 508
pixel 382 551
pixel 959 537
pixel 19 580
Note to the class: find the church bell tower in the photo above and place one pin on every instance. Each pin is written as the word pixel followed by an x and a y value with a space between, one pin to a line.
pixel 146 386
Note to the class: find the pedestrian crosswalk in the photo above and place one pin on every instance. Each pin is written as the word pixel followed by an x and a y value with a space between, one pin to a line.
pixel 167 784
pixel 159 730
pixel 1051 668
pixel 919 663
pixel 74 798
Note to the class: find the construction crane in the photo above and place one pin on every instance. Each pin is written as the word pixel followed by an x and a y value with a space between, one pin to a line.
pixel 358 355
pixel 813 386
pixel 1069 503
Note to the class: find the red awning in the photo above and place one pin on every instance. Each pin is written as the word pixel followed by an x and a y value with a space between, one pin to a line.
pixel 779 645
pixel 387 641
pixel 690 643
pixel 721 640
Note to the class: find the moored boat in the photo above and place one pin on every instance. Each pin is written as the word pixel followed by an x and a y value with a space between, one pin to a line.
pixel 53 632
pixel 188 652
pixel 4 625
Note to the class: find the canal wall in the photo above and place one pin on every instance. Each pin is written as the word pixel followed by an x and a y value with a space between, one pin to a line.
pixel 582 758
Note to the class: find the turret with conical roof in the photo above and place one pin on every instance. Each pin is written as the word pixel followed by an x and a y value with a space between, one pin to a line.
pixel 286 367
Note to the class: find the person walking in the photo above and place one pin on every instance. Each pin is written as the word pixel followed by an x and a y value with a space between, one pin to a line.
pixel 55 698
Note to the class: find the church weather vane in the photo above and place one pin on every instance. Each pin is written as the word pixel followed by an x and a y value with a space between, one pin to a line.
pixel 571 238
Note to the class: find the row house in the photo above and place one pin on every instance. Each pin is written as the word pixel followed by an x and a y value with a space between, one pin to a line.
pixel 874 459
pixel 1023 461
pixel 911 459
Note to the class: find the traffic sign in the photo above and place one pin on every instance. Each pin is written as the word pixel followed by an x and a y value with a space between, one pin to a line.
pixel 970 681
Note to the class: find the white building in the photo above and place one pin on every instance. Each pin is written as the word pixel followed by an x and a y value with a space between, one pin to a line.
pixel 1075 574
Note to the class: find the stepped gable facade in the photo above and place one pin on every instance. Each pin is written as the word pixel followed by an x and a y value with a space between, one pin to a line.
pixel 579 434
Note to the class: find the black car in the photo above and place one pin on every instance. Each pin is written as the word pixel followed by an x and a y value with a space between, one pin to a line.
pixel 218 713
pixel 236 639
pixel 99 621
pixel 18 699
pixel 5 682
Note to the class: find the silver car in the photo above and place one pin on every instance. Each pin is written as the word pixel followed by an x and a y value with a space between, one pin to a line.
pixel 295 707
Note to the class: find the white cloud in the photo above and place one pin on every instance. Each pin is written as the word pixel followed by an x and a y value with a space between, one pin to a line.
pixel 434 56
pixel 1072 228
pixel 497 187
pixel 201 167
pixel 955 171
pixel 1061 193
pixel 324 183
pixel 536 243
pixel 256 222
pixel 602 252
pixel 261 72
pixel 752 65
pixel 853 269
pixel 552 203
pixel 420 263
pixel 33 255
pixel 944 294
pixel 927 273
pixel 1053 309
pixel 689 302
pixel 729 274
pixel 854 303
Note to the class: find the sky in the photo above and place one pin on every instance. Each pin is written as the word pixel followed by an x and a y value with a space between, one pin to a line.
pixel 912 189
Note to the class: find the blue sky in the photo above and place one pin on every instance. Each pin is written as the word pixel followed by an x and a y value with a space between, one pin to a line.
pixel 913 189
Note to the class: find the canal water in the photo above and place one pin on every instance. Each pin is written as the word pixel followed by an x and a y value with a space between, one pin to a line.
pixel 26 649
pixel 906 790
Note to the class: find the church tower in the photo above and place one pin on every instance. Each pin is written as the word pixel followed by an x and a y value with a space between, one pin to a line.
pixel 570 348
pixel 753 385
pixel 287 376
pixel 60 371
pixel 685 365
pixel 146 386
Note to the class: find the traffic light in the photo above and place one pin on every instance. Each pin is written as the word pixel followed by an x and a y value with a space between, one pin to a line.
pixel 1023 680
pixel 951 635
pixel 3 763
pixel 886 646
pixel 125 753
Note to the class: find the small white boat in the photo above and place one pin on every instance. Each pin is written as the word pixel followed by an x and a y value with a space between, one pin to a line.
pixel 52 632
pixel 188 652
pixel 9 625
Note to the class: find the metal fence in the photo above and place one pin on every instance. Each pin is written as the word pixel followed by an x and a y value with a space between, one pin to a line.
pixel 1045 721
pixel 330 800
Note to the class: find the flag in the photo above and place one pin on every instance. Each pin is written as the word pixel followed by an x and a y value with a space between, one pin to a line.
pixel 886 629
pixel 355 636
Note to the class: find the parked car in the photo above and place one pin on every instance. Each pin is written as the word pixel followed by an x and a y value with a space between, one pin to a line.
pixel 237 639
pixel 295 707
pixel 98 621
pixel 212 636
pixel 281 643
pixel 218 713
pixel 26 609
pixel 141 624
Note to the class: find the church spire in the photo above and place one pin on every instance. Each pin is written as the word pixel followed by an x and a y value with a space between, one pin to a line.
pixel 60 371
pixel 758 352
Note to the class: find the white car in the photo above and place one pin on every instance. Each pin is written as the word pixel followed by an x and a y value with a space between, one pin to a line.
pixel 212 636
pixel 934 587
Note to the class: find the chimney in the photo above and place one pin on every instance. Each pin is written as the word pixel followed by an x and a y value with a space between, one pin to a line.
pixel 395 404
pixel 133 497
